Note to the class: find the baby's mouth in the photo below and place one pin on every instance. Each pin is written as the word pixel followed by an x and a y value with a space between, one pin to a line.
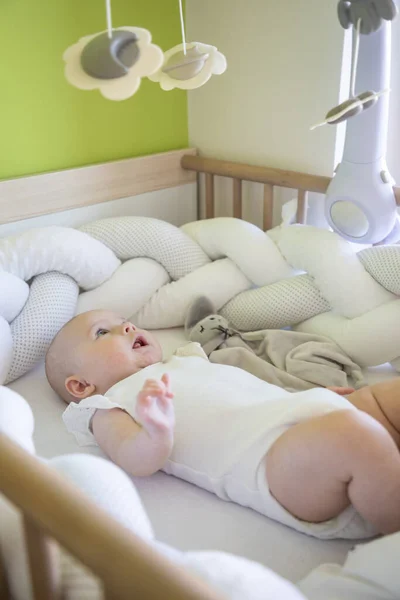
pixel 139 342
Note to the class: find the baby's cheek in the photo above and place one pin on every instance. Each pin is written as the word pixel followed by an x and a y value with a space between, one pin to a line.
pixel 118 358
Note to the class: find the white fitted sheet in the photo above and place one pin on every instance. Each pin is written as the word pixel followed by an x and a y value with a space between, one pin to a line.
pixel 183 515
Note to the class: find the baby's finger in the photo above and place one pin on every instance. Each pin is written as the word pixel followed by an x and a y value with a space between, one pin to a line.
pixel 156 385
pixel 166 381
pixel 144 397
pixel 164 401
pixel 151 382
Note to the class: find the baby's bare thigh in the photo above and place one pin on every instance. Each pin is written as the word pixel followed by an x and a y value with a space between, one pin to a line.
pixel 308 468
pixel 381 401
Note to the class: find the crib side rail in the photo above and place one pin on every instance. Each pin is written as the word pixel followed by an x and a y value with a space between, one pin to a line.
pixel 4 589
pixel 270 177
pixel 127 566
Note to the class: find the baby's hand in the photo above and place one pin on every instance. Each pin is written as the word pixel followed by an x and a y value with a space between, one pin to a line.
pixel 154 407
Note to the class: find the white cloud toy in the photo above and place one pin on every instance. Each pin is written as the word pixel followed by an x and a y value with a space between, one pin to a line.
pixel 113 64
pixel 189 66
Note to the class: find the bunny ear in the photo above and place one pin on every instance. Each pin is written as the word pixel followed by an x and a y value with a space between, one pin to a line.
pixel 200 308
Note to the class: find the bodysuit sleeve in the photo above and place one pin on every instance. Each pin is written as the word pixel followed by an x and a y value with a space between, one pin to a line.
pixel 191 349
pixel 78 417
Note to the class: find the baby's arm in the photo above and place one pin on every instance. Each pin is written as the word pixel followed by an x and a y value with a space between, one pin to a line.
pixel 139 449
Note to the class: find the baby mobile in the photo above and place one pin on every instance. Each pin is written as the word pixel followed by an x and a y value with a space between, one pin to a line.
pixel 114 61
pixel 360 204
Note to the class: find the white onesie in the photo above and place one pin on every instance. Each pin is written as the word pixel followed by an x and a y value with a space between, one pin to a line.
pixel 226 421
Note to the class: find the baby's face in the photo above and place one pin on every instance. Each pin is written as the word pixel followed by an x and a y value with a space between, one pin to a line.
pixel 109 348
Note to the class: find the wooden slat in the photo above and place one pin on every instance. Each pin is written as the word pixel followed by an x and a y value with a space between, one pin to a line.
pixel 267 175
pixel 4 589
pixel 237 198
pixel 279 177
pixel 42 562
pixel 91 535
pixel 36 195
pixel 302 205
pixel 268 206
pixel 198 196
pixel 210 208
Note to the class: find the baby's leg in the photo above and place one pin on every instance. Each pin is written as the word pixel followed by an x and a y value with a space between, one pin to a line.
pixel 317 468
pixel 381 401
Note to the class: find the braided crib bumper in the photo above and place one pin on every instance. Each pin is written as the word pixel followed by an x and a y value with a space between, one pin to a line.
pixel 298 276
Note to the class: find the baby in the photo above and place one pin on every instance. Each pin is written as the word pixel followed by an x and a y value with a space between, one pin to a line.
pixel 321 462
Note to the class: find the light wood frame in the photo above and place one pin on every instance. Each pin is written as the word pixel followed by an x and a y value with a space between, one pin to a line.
pixel 37 195
pixel 270 177
pixel 54 509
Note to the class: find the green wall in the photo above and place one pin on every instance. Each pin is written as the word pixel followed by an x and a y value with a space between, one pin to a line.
pixel 45 123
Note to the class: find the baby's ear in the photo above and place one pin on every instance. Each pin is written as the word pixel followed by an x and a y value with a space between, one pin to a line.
pixel 78 387
pixel 200 308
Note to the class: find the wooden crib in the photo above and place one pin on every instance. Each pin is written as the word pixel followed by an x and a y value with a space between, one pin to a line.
pixel 54 512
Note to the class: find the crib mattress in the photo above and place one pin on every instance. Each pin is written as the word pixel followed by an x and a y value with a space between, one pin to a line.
pixel 183 515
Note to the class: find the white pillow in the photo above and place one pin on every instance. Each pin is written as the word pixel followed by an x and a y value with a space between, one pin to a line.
pixel 245 244
pixel 109 487
pixel 370 339
pixel 219 281
pixel 334 264
pixel 14 293
pixel 128 289
pixel 61 249
pixel 16 418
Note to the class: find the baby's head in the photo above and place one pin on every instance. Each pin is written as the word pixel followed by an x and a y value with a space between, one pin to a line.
pixel 94 351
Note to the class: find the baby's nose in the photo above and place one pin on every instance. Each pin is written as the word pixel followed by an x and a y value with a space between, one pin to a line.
pixel 127 327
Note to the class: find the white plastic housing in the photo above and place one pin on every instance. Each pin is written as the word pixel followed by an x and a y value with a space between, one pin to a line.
pixel 360 203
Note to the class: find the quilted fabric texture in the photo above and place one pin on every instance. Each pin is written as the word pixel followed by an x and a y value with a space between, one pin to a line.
pixel 277 304
pixel 383 262
pixel 6 349
pixel 131 237
pixel 52 302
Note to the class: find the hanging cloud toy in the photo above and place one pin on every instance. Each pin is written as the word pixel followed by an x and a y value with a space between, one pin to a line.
pixel 115 61
pixel 365 16
pixel 112 64
pixel 350 108
pixel 189 66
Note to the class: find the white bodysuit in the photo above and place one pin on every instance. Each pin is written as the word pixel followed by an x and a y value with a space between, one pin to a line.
pixel 226 421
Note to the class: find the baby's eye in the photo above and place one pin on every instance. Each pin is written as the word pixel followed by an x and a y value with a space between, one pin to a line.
pixel 101 332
